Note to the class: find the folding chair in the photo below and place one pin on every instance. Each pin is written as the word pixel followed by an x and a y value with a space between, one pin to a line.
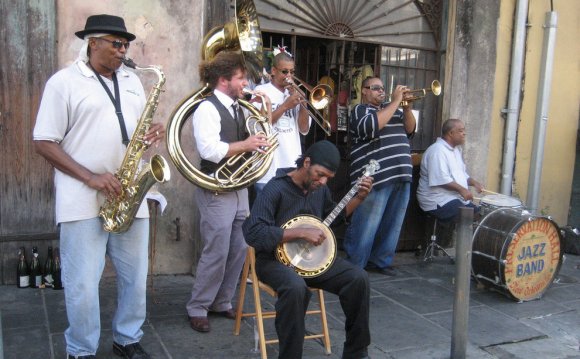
pixel 260 315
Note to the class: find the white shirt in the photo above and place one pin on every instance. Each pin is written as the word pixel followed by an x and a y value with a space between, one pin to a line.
pixel 441 164
pixel 289 147
pixel 77 113
pixel 207 126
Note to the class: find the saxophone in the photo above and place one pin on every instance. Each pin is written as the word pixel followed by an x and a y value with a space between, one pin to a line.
pixel 118 213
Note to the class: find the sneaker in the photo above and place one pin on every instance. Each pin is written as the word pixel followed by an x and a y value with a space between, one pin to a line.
pixel 130 351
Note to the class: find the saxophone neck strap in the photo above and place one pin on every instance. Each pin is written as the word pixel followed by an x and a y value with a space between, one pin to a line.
pixel 116 100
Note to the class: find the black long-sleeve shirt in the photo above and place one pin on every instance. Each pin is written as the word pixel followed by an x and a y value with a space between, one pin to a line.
pixel 281 200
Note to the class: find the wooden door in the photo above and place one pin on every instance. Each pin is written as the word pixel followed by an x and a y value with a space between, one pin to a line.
pixel 27 59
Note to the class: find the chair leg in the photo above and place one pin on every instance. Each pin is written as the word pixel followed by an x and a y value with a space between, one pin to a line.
pixel 327 347
pixel 259 318
pixel 242 296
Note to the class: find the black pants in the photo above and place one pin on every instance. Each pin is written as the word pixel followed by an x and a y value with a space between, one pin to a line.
pixel 349 282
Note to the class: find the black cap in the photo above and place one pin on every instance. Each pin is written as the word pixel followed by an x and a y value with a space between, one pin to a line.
pixel 324 153
pixel 108 24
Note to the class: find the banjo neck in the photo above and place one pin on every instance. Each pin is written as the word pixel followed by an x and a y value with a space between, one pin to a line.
pixel 369 170
pixel 340 206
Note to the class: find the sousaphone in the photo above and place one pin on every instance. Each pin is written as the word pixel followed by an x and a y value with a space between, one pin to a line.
pixel 241 34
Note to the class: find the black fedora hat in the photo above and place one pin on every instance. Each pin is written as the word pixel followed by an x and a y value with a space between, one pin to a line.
pixel 107 24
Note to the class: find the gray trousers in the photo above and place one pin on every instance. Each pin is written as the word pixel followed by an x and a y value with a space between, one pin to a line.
pixel 224 250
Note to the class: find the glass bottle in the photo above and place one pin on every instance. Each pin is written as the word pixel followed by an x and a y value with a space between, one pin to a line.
pixel 56 270
pixel 35 271
pixel 47 280
pixel 22 273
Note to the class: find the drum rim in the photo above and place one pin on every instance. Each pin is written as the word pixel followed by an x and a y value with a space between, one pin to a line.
pixel 518 203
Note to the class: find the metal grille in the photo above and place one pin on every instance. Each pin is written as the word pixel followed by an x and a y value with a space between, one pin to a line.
pixel 415 69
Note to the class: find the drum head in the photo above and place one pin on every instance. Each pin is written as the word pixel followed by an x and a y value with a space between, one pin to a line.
pixel 516 252
pixel 500 200
pixel 308 260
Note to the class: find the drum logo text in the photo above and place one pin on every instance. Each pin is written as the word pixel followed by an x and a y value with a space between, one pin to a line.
pixel 532 258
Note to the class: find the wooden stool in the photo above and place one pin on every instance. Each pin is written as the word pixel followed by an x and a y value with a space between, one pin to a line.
pixel 249 272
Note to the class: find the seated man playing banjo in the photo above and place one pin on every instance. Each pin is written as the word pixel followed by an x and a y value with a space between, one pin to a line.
pixel 302 191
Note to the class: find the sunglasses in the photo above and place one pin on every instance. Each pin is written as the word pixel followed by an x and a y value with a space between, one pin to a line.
pixel 117 44
pixel 375 88
pixel 285 72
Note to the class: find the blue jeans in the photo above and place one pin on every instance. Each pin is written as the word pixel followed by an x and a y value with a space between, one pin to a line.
pixel 83 246
pixel 375 226
pixel 450 210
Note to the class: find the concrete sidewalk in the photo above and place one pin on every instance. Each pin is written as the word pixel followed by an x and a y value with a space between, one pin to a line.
pixel 411 317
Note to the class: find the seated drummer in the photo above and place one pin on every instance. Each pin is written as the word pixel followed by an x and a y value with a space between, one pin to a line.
pixel 444 182
pixel 292 192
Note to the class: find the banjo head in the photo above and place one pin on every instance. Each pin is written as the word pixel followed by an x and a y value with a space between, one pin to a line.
pixel 306 259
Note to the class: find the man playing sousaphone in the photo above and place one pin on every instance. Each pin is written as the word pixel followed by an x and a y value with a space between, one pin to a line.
pixel 220 133
pixel 303 190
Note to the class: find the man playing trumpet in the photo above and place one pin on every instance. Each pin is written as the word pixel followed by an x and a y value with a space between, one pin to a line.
pixel 380 131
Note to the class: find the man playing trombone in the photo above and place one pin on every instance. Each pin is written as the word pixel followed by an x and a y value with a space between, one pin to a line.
pixel 289 119
pixel 380 131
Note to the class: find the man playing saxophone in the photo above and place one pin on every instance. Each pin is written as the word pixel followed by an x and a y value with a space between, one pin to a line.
pixel 87 114
pixel 219 131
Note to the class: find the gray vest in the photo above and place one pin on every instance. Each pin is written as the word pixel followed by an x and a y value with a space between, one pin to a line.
pixel 231 131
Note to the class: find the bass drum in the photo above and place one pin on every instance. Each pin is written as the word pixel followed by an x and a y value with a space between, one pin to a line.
pixel 516 253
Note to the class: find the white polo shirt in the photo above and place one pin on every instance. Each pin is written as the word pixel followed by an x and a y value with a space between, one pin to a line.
pixel 77 113
pixel 441 164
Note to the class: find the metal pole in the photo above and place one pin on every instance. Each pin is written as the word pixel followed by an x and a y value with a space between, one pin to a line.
pixel 462 277
pixel 514 93
pixel 535 176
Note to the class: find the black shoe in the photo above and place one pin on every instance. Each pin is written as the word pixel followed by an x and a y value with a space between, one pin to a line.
pixel 130 351
pixel 390 271
pixel 82 357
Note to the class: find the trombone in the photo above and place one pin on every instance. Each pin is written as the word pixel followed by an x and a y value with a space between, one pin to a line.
pixel 435 89
pixel 320 96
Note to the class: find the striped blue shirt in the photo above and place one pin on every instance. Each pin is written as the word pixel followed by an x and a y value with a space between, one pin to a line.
pixel 389 146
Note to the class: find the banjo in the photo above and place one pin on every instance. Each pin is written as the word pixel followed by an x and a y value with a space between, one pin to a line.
pixel 305 258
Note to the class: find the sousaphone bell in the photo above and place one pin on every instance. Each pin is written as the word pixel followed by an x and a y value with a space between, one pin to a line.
pixel 242 170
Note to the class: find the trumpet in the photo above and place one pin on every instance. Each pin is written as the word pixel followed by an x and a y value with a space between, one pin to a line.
pixel 435 89
pixel 319 97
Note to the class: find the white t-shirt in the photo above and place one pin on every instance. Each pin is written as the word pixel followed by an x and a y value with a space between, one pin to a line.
pixel 289 147
pixel 441 164
pixel 77 113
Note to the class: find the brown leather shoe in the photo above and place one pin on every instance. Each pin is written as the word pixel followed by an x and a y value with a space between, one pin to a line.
pixel 230 314
pixel 200 324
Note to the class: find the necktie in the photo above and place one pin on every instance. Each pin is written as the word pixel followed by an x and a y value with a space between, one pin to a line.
pixel 238 116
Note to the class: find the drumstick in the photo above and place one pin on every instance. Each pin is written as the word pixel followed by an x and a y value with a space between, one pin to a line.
pixel 488 191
